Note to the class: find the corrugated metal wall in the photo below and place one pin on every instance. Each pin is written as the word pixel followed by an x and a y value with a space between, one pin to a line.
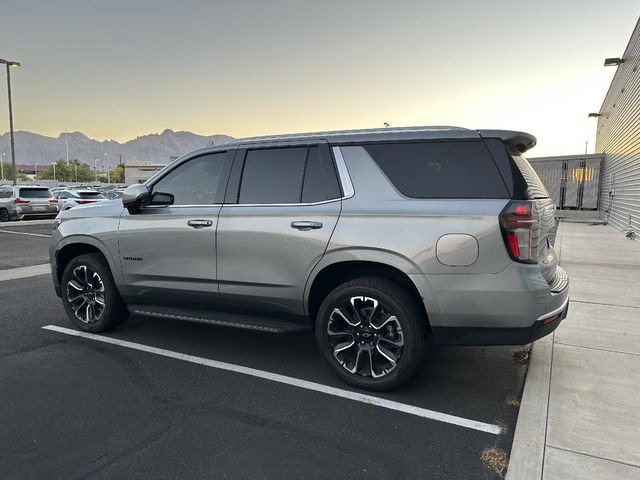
pixel 618 137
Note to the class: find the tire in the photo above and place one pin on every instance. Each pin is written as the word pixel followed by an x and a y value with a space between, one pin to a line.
pixel 4 215
pixel 390 333
pixel 92 302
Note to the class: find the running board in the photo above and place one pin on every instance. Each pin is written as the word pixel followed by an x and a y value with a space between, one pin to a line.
pixel 223 319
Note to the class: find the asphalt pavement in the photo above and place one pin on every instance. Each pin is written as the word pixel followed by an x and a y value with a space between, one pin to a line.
pixel 80 408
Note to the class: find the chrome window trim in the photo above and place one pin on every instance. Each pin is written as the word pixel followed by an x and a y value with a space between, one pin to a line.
pixel 343 173
pixel 183 206
pixel 281 204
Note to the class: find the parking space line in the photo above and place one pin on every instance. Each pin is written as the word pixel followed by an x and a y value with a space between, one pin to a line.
pixel 296 382
pixel 26 233
pixel 25 272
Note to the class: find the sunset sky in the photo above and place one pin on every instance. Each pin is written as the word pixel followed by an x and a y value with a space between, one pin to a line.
pixel 118 69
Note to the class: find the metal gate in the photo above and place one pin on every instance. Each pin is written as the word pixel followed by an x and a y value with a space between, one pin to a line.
pixel 573 181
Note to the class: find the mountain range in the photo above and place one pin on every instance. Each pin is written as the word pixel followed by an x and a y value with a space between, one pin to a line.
pixel 33 148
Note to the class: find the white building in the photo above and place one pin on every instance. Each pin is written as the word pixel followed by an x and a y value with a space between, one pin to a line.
pixel 139 172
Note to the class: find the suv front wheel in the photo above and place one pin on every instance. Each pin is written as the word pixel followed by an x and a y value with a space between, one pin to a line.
pixel 89 294
pixel 372 333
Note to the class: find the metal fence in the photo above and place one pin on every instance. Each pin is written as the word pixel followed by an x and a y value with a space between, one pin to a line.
pixel 573 181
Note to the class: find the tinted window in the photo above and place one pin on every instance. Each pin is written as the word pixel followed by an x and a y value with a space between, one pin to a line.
pixel 273 175
pixel 195 182
pixel 92 195
pixel 440 169
pixel 35 193
pixel 320 180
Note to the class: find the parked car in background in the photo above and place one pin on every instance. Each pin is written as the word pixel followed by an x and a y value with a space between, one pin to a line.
pixel 373 240
pixel 18 202
pixel 113 194
pixel 69 198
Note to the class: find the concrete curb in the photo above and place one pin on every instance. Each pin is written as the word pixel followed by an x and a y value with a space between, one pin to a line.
pixel 527 451
pixel 25 272
pixel 529 440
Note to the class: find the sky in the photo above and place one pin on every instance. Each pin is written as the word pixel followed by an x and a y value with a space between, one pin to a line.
pixel 119 69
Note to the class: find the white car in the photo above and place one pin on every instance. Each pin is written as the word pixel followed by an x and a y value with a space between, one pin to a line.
pixel 72 198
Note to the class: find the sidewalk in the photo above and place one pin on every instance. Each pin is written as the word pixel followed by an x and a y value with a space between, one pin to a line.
pixel 580 411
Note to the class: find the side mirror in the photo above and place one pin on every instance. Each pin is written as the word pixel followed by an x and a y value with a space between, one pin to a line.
pixel 135 197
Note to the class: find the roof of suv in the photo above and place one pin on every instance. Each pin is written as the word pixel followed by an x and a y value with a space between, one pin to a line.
pixel 522 141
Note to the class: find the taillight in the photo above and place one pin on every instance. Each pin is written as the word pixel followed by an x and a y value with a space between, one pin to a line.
pixel 519 224
pixel 83 202
pixel 53 200
pixel 21 201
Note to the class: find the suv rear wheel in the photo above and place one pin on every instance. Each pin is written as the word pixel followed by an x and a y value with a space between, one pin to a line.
pixel 372 333
pixel 4 215
pixel 89 294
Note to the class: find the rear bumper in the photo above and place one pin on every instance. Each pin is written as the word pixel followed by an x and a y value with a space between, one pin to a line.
pixel 36 211
pixel 498 336
pixel 507 308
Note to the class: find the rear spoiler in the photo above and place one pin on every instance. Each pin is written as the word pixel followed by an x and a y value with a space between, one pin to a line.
pixel 520 140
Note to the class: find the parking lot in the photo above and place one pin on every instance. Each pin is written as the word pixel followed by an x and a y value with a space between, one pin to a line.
pixel 168 399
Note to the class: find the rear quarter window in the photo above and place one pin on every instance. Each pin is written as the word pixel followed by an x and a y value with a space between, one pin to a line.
pixel 440 169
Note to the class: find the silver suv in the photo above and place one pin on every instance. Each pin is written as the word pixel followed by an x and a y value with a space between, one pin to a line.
pixel 18 202
pixel 376 240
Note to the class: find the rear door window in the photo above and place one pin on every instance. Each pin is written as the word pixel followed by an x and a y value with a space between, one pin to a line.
pixel 289 175
pixel 320 179
pixel 35 193
pixel 440 169
pixel 273 175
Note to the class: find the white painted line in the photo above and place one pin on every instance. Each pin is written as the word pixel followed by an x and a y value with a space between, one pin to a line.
pixel 26 223
pixel 296 382
pixel 26 233
pixel 25 272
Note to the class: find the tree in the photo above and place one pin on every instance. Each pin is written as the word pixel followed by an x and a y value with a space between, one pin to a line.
pixel 117 174
pixel 7 171
pixel 67 173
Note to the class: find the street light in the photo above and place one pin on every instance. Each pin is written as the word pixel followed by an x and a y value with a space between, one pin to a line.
pixel 2 165
pixel 95 167
pixel 108 173
pixel 613 62
pixel 8 64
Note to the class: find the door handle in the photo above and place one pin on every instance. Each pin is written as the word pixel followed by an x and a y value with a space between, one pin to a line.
pixel 199 223
pixel 306 225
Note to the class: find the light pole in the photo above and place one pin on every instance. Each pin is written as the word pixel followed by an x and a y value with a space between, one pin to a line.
pixel 66 142
pixel 108 173
pixel 35 171
pixel 8 64
pixel 2 165
pixel 95 167
pixel 76 173
pixel 54 171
